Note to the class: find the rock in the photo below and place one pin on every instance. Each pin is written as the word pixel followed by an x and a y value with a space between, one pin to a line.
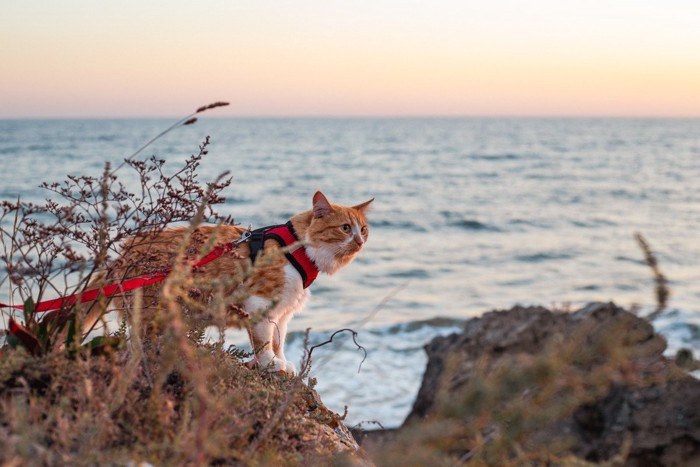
pixel 331 430
pixel 636 403
pixel 685 359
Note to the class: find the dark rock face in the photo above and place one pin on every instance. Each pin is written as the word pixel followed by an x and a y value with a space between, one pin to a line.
pixel 658 421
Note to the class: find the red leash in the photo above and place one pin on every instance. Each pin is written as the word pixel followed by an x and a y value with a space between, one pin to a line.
pixel 130 284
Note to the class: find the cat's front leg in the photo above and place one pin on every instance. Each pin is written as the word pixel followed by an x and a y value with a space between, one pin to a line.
pixel 264 335
pixel 278 339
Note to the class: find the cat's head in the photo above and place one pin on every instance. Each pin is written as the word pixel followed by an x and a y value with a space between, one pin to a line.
pixel 335 234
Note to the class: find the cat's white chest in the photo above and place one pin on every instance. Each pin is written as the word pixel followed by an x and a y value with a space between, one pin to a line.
pixel 294 292
pixel 293 296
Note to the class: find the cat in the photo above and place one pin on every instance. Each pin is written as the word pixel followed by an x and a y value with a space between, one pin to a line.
pixel 330 237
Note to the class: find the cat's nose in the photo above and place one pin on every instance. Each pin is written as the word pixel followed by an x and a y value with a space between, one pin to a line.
pixel 359 240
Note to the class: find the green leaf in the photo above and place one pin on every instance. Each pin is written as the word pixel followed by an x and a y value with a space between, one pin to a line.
pixel 70 335
pixel 104 344
pixel 43 335
pixel 12 341
pixel 28 310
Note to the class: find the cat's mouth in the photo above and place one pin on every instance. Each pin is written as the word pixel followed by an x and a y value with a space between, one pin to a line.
pixel 352 249
pixel 352 246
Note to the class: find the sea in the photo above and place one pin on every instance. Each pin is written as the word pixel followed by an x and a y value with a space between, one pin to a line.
pixel 470 215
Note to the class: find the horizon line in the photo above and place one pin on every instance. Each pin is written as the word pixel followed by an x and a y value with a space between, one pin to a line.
pixel 364 117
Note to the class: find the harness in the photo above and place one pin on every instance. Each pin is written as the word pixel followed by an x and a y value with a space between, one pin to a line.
pixel 285 236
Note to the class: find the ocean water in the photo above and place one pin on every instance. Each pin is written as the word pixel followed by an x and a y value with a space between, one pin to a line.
pixel 470 215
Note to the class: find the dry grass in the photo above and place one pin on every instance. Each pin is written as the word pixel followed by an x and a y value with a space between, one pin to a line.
pixel 168 403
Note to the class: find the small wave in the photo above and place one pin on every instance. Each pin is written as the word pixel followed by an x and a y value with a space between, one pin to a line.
pixel 473 224
pixel 681 328
pixel 592 223
pixel 39 147
pixel 627 259
pixel 413 326
pixel 383 223
pixel 480 175
pixel 107 138
pixel 516 282
pixel 630 194
pixel 10 194
pixel 431 327
pixel 544 256
pixel 685 333
pixel 529 223
pixel 10 150
pixel 410 274
pixel 385 152
pixel 495 157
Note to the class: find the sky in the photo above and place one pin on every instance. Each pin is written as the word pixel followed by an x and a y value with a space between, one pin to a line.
pixel 137 58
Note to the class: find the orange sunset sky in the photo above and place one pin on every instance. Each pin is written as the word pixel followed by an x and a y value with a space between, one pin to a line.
pixel 79 58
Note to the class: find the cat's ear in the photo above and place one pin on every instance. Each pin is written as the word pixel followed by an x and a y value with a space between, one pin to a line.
pixel 321 205
pixel 362 207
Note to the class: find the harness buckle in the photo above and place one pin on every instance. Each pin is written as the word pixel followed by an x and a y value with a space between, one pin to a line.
pixel 245 236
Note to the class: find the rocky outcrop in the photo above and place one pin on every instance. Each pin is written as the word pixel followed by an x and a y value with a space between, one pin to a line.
pixel 88 409
pixel 615 394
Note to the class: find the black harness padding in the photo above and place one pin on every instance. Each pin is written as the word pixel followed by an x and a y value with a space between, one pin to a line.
pixel 257 241
pixel 258 237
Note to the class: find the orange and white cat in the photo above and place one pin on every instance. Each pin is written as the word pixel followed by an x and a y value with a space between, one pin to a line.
pixel 329 237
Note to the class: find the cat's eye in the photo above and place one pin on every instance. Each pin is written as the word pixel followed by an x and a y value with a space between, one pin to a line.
pixel 346 228
pixel 364 230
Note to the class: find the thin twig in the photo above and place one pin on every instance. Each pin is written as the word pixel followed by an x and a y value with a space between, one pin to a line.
pixel 387 298
pixel 661 288
pixel 188 120
pixel 307 362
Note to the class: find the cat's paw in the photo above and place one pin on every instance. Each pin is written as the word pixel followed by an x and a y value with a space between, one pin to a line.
pixel 274 364
pixel 279 365
pixel 290 369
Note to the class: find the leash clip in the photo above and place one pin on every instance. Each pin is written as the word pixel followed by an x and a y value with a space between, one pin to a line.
pixel 245 236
